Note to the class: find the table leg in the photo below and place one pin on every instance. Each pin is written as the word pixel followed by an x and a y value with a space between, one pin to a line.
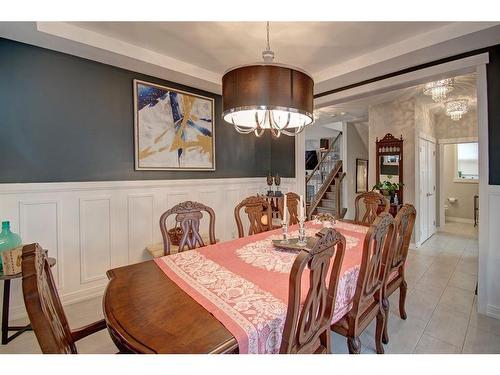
pixel 5 312
pixel 5 317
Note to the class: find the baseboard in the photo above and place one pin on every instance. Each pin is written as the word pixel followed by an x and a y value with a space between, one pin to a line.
pixel 454 219
pixel 493 311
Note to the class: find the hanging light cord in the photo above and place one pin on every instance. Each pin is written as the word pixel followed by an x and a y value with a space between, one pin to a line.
pixel 268 45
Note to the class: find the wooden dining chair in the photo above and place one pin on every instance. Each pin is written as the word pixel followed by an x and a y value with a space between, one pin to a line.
pixel 404 223
pixel 367 301
pixel 371 201
pixel 188 215
pixel 258 211
pixel 307 325
pixel 292 202
pixel 44 306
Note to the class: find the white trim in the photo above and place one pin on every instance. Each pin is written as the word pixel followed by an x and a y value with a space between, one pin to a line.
pixel 493 311
pixel 465 181
pixel 427 137
pixel 39 187
pixel 454 219
pixel 449 69
pixel 458 140
pixel 484 274
pixel 101 41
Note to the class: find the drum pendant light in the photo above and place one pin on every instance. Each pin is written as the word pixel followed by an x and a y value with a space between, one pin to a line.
pixel 267 95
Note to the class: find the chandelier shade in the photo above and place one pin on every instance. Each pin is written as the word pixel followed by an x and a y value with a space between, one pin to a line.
pixel 456 108
pixel 267 96
pixel 439 90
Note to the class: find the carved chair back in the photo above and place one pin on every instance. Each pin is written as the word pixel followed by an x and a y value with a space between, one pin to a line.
pixel 371 201
pixel 372 273
pixel 256 208
pixel 188 215
pixel 292 202
pixel 404 222
pixel 307 329
pixel 43 304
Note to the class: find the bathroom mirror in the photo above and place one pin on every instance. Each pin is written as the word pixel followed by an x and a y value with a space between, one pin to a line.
pixel 390 167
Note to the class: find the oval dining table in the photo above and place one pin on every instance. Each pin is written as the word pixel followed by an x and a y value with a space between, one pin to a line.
pixel 147 312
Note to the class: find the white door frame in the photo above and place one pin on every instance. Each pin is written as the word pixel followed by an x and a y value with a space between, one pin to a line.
pixel 440 182
pixel 477 64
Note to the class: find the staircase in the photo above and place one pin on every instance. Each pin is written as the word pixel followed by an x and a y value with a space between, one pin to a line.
pixel 325 184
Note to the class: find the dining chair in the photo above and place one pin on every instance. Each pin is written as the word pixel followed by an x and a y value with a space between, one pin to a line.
pixel 188 215
pixel 367 300
pixel 307 324
pixel 292 203
pixel 404 223
pixel 258 211
pixel 372 202
pixel 44 306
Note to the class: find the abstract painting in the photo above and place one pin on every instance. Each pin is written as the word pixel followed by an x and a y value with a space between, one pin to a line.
pixel 174 130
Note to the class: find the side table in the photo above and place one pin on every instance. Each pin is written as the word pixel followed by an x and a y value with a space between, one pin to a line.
pixel 6 304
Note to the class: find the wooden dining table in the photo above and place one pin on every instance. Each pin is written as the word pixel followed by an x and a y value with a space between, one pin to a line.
pixel 148 312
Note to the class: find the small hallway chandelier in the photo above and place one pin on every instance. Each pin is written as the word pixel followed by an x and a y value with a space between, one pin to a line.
pixel 267 95
pixel 456 108
pixel 439 90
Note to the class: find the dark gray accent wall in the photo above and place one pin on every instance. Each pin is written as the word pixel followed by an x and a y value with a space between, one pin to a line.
pixel 64 118
pixel 493 76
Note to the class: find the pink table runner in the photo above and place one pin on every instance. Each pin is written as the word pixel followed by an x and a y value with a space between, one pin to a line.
pixel 244 282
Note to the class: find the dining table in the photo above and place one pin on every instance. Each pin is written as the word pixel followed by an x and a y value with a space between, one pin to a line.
pixel 230 297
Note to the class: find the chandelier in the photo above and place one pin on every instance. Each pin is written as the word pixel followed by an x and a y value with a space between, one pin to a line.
pixel 439 89
pixel 267 95
pixel 456 108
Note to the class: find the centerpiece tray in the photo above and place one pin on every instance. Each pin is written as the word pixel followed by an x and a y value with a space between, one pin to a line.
pixel 292 243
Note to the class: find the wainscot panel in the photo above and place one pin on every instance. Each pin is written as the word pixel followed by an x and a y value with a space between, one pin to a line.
pixel 91 227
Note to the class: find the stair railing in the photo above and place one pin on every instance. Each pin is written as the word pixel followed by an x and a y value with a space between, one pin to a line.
pixel 321 177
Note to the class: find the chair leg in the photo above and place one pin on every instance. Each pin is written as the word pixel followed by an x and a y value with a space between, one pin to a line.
pixel 402 299
pixel 385 306
pixel 354 345
pixel 379 331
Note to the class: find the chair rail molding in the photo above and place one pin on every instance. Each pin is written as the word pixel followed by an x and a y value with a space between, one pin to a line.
pixel 90 227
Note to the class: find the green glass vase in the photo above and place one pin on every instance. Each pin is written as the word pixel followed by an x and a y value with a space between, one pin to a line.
pixel 8 240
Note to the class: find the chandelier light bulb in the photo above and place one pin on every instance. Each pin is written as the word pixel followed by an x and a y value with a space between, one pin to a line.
pixel 439 90
pixel 456 108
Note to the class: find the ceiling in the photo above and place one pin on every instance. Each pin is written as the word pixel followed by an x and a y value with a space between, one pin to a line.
pixel 196 54
pixel 357 110
pixel 218 46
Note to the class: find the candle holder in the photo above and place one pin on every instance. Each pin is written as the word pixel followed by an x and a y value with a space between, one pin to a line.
pixel 284 226
pixel 302 234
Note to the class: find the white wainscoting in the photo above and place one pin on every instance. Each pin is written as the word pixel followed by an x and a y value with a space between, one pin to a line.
pixel 90 227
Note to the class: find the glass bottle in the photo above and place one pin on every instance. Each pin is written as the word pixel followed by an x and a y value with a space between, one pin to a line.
pixel 8 240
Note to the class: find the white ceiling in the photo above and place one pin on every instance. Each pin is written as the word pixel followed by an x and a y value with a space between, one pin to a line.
pixel 218 46
pixel 197 53
pixel 357 110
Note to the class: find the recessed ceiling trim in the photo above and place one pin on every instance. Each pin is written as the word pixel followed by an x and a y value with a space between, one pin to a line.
pixel 97 40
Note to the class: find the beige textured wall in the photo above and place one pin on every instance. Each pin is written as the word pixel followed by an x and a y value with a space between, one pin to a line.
pixel 424 120
pixel 464 192
pixel 398 118
pixel 356 149
pixel 446 128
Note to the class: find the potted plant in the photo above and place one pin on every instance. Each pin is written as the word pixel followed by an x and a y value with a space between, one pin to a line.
pixel 388 188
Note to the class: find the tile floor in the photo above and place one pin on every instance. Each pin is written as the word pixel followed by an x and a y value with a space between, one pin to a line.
pixel 440 304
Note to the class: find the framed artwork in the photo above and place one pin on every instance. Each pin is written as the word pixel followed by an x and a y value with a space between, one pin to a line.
pixel 173 129
pixel 361 175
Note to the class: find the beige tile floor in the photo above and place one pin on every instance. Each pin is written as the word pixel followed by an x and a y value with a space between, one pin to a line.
pixel 440 304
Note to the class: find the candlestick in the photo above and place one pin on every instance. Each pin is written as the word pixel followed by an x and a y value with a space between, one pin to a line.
pixel 284 241
pixel 302 234
pixel 285 210
pixel 301 208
